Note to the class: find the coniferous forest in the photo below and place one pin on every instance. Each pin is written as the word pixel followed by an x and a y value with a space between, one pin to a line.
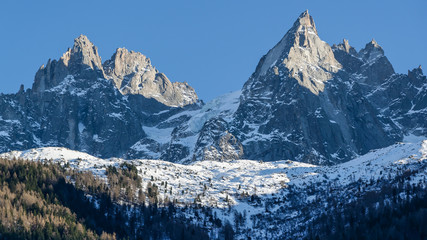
pixel 45 201
pixel 383 214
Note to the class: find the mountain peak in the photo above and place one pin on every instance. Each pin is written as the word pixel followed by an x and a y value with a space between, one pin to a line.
pixel 80 60
pixel 304 55
pixel 82 39
pixel 305 23
pixel 345 46
pixel 415 72
pixel 83 52
pixel 371 51
pixel 132 73
pixel 374 43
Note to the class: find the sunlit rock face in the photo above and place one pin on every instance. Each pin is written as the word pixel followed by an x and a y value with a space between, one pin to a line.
pixel 79 103
pixel 307 101
pixel 132 73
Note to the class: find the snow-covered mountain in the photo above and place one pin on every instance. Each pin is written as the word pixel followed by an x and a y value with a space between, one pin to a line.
pixel 315 130
pixel 306 101
pixel 79 103
pixel 309 101
pixel 279 190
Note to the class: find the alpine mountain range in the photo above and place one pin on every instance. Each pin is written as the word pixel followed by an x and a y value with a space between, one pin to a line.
pixel 306 101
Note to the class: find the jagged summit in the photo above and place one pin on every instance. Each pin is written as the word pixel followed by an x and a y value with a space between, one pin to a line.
pixel 82 41
pixel 346 47
pixel 416 71
pixel 305 101
pixel 81 60
pixel 371 50
pixel 301 55
pixel 132 73
pixel 305 23
pixel 288 111
pixel 374 43
pixel 83 52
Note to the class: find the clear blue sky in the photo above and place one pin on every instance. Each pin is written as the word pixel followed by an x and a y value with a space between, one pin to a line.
pixel 213 45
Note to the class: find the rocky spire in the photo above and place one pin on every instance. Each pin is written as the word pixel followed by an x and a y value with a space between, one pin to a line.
pixel 415 72
pixel 304 55
pixel 132 73
pixel 81 60
pixel 347 56
pixel 346 47
pixel 304 23
pixel 83 53
pixel 374 43
pixel 371 51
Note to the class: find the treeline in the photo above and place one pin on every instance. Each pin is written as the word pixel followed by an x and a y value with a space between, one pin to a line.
pixel 394 212
pixel 31 207
pixel 45 201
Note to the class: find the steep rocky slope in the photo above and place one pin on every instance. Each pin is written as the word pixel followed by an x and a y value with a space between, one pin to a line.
pixel 306 101
pixel 132 73
pixel 74 102
pixel 273 200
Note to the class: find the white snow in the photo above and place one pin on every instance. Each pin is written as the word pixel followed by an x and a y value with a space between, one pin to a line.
pixel 116 115
pixel 225 105
pixel 81 127
pixel 213 181
pixel 274 54
pixel 4 134
pixel 96 138
pixel 161 135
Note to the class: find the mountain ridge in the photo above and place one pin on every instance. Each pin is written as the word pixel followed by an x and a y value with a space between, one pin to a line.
pixel 270 198
pixel 306 101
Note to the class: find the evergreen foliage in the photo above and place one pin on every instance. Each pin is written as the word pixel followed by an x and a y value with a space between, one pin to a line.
pixel 378 215
pixel 45 201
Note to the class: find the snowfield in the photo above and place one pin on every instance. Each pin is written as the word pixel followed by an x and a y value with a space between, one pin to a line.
pixel 214 182
pixel 278 193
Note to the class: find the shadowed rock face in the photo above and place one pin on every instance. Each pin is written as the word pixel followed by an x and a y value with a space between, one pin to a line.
pixel 82 60
pixel 216 143
pixel 306 101
pixel 404 98
pixel 74 103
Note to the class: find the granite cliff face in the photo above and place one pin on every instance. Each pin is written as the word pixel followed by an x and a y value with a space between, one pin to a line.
pixel 74 102
pixel 305 101
pixel 305 56
pixel 132 73
pixel 314 103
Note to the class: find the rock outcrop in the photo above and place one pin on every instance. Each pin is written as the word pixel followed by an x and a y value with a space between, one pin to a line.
pixel 132 73
pixel 74 103
pixel 216 143
pixel 305 101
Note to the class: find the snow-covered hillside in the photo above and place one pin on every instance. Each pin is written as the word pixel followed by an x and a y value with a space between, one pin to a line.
pixel 213 182
pixel 173 136
pixel 256 189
